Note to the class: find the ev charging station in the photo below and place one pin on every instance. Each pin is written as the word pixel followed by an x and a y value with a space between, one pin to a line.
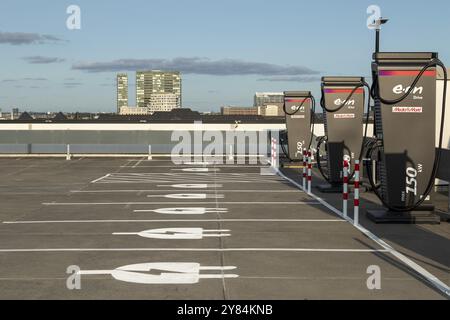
pixel 343 105
pixel 299 108
pixel 404 91
pixel 406 130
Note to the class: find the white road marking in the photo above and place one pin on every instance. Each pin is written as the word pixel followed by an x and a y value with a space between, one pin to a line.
pixel 186 190
pixel 193 186
pixel 183 203
pixel 193 250
pixel 170 273
pixel 197 163
pixel 432 279
pixel 199 210
pixel 101 178
pixel 195 196
pixel 196 170
pixel 153 181
pixel 171 220
pixel 217 166
pixel 137 163
pixel 178 233
pixel 183 178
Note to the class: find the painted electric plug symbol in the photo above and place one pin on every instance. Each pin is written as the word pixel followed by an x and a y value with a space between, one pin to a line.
pixel 198 170
pixel 189 196
pixel 192 186
pixel 178 233
pixel 163 273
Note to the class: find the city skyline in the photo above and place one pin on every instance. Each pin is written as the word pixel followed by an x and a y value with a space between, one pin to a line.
pixel 244 49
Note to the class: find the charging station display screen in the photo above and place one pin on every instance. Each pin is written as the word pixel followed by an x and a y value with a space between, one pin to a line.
pixel 298 122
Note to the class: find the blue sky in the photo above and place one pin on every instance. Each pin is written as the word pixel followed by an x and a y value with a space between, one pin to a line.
pixel 227 50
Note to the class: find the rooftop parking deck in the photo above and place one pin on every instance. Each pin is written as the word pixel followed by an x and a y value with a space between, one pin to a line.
pixel 244 234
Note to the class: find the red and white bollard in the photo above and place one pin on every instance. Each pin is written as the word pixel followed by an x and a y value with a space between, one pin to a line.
pixel 345 189
pixel 309 171
pixel 304 169
pixel 356 197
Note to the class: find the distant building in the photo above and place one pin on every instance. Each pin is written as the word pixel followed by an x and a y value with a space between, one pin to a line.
pixel 150 83
pixel 122 91
pixel 241 111
pixel 163 102
pixel 25 116
pixel 262 99
pixel 271 110
pixel 133 111
pixel 15 113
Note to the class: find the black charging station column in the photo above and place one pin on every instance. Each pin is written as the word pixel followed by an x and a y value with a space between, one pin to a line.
pixel 297 106
pixel 343 103
pixel 407 131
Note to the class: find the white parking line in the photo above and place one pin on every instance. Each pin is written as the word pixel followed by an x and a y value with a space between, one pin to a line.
pixel 176 203
pixel 171 220
pixel 183 190
pixel 137 163
pixel 218 166
pixel 101 178
pixel 192 250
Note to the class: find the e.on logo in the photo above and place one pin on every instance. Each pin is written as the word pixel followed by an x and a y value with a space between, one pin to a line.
pixel 339 102
pixel 298 108
pixel 399 89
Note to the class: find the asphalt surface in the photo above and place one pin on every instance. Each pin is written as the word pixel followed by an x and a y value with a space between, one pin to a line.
pixel 263 237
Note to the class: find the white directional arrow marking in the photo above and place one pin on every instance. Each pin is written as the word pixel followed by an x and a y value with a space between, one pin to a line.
pixel 197 163
pixel 195 196
pixel 178 233
pixel 169 273
pixel 191 210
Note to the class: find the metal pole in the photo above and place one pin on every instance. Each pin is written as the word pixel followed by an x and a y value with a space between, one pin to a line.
pixel 149 152
pixel 377 40
pixel 68 156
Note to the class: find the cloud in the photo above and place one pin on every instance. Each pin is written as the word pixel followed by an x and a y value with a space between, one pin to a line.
pixel 42 60
pixel 23 38
pixel 72 84
pixel 35 79
pixel 196 65
pixel 25 79
pixel 291 79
